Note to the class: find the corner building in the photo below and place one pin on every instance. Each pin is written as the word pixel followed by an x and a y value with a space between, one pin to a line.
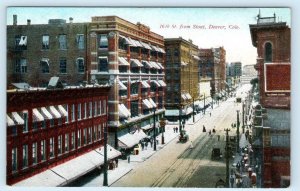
pixel 131 58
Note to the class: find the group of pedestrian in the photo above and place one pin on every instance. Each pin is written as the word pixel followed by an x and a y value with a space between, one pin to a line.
pixel 113 164
pixel 175 129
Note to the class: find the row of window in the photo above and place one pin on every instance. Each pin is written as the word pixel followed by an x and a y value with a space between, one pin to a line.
pixel 22 64
pixel 84 111
pixel 21 42
pixel 65 144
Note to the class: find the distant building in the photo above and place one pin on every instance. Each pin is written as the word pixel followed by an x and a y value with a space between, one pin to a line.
pixel 233 74
pixel 272 127
pixel 248 74
pixel 47 127
pixel 181 77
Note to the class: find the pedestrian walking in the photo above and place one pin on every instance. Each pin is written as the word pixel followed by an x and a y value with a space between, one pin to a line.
pixel 203 129
pixel 128 158
pixel 151 143
pixel 146 145
pixel 231 181
pixel 209 132
pixel 210 114
pixel 191 145
pixel 142 144
pixel 117 162
pixel 218 137
pixel 174 128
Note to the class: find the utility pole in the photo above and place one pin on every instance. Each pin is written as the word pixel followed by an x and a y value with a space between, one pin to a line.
pixel 180 127
pixel 154 134
pixel 227 157
pixel 204 104
pixel 243 118
pixel 105 157
pixel 193 110
pixel 237 130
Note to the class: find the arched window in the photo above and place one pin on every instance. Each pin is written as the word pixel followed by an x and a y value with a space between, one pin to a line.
pixel 268 52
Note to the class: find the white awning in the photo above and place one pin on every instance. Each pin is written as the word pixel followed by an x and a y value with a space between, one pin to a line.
pixel 196 57
pixel 37 116
pixel 54 111
pixel 171 112
pixel 145 45
pixel 23 41
pixel 45 60
pixel 152 102
pixel 188 96
pixel 123 61
pixel 62 111
pixel 162 83
pixel 145 84
pixel 161 50
pixel 121 86
pixel 111 152
pixel 183 63
pixel 123 111
pixel 183 96
pixel 189 110
pixel 155 48
pixel 138 44
pixel 136 63
pixel 129 140
pixel 127 41
pixel 160 65
pixel 156 83
pixel 146 127
pixel 9 121
pixel 17 118
pixel 147 64
pixel 147 104
pixel 154 65
pixel 46 113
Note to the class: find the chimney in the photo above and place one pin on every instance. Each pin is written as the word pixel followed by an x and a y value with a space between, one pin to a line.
pixel 71 19
pixel 15 19
pixel 28 21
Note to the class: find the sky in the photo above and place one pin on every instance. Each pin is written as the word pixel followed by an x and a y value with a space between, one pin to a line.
pixel 202 25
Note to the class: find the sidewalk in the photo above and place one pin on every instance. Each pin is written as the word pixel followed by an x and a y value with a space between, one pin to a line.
pixel 124 167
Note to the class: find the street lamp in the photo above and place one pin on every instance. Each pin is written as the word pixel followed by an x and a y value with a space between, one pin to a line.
pixel 227 158
pixel 237 130
pixel 154 134
pixel 180 127
pixel 105 182
pixel 162 123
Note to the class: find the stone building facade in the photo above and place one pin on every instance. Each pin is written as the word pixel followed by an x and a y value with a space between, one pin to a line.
pixel 182 77
pixel 272 40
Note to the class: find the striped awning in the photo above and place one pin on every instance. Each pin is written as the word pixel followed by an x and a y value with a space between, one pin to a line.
pixel 123 111
pixel 62 111
pixel 123 61
pixel 154 65
pixel 162 83
pixel 136 63
pixel 9 121
pixel 188 96
pixel 127 41
pixel 147 64
pixel 160 65
pixel 54 111
pixel 37 116
pixel 152 102
pixel 183 96
pixel 121 86
pixel 145 45
pixel 46 113
pixel 145 84
pixel 147 104
pixel 17 118
pixel 156 83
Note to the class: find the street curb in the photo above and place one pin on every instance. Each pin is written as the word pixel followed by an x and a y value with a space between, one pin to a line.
pixel 120 177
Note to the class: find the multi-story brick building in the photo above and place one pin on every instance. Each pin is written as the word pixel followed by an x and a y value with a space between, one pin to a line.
pixel 47 127
pixel 273 43
pixel 182 77
pixel 131 58
pixel 36 52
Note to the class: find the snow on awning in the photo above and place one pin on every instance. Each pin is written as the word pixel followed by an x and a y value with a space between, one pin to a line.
pixel 196 57
pixel 136 63
pixel 123 61
pixel 147 64
pixel 147 104
pixel 156 83
pixel 183 63
pixel 46 113
pixel 183 96
pixel 162 83
pixel 161 50
pixel 111 152
pixel 137 43
pixel 145 45
pixel 145 84
pixel 62 111
pixel 189 110
pixel 123 111
pixel 37 116
pixel 171 112
pixel 152 102
pixel 54 111
pixel 121 86
pixel 17 118
pixel 9 121
pixel 130 140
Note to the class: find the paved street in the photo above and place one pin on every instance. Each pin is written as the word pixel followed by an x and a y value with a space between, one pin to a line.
pixel 176 165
